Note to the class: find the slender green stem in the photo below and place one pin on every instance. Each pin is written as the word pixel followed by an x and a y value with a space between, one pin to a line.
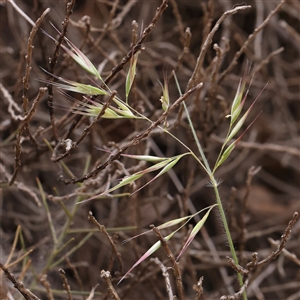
pixel 218 199
pixel 227 231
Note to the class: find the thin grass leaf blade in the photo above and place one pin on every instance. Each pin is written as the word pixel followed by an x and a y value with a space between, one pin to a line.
pixel 194 232
pixel 169 164
pixel 173 222
pixel 165 98
pixel 131 74
pixel 150 251
pixel 148 158
pixel 157 166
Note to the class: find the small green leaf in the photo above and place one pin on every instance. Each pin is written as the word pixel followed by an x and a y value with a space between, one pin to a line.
pixel 170 163
pixel 150 251
pixel 148 158
pixel 194 232
pixel 225 155
pixel 131 74
pixel 165 98
pixel 166 164
pixel 171 223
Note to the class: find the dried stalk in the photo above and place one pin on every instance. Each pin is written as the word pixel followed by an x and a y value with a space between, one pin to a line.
pixel 28 57
pixel 208 41
pixel 23 126
pixel 249 40
pixel 138 45
pixel 110 240
pixel 27 294
pixel 175 264
pixel 53 61
pixel 65 283
pixel 110 287
pixel 86 131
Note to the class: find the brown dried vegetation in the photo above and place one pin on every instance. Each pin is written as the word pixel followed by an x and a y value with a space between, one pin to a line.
pixel 53 248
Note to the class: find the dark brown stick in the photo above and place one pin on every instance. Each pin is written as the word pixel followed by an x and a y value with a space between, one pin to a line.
pixel 175 264
pixel 138 45
pixel 65 283
pixel 53 61
pixel 18 285
pixel 110 287
pixel 23 126
pixel 111 242
pixel 86 131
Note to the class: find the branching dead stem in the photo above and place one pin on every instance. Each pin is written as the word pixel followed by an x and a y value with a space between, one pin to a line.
pixel 24 125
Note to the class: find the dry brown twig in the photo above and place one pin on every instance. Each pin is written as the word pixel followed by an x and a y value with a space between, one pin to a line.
pixel 212 73
pixel 179 20
pixel 281 245
pixel 110 287
pixel 208 41
pixel 242 231
pixel 171 256
pixel 138 45
pixel 24 125
pixel 44 281
pixel 238 294
pixel 254 264
pixel 25 269
pixel 110 240
pixel 198 288
pixel 216 64
pixel 108 24
pixel 91 295
pixel 66 286
pixel 285 252
pixel 186 48
pixel 265 61
pixel 27 115
pixel 86 131
pixel 75 272
pixel 249 40
pixel 53 61
pixel 27 294
pixel 28 57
